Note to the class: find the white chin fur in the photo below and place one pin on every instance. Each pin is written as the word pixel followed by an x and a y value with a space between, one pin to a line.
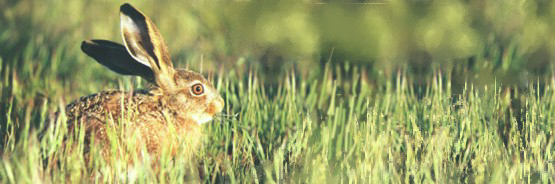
pixel 202 119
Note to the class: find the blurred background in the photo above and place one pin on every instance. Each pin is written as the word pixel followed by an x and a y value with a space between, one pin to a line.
pixel 350 49
pixel 509 42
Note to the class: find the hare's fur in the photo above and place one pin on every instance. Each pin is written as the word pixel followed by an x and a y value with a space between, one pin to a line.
pixel 167 114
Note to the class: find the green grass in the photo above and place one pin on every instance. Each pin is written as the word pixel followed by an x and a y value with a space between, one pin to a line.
pixel 318 130
pixel 303 122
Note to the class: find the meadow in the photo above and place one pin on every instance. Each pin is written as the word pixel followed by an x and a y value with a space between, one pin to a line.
pixel 388 103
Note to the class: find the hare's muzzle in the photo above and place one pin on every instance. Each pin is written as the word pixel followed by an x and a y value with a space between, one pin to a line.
pixel 218 105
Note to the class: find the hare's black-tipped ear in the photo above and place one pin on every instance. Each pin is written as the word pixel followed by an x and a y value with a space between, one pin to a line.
pixel 144 42
pixel 115 57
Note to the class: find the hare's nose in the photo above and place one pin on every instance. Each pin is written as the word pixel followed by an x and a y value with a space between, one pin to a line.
pixel 219 104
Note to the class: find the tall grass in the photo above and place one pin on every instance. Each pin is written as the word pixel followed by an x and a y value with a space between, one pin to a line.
pixel 316 130
pixel 329 123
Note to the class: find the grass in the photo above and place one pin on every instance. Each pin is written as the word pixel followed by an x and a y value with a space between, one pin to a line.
pixel 341 122
pixel 318 130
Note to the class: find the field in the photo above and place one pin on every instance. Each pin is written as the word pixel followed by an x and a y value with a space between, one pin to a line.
pixel 303 105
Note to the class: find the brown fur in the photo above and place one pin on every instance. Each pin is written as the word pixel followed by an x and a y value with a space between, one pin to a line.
pixel 166 116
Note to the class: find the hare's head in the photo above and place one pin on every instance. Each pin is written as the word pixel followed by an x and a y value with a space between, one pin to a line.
pixel 145 54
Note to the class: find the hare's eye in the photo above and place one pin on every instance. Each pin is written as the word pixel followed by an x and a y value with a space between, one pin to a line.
pixel 198 89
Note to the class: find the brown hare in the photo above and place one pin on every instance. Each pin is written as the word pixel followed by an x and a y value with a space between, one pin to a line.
pixel 164 115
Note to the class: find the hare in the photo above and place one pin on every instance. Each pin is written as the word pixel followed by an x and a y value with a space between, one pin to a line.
pixel 178 102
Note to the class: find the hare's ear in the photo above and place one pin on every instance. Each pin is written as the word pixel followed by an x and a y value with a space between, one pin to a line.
pixel 144 42
pixel 116 58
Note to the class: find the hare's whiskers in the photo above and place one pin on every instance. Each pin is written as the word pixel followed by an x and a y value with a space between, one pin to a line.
pixel 225 117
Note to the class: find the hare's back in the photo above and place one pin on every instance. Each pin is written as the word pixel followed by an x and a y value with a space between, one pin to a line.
pixel 104 103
